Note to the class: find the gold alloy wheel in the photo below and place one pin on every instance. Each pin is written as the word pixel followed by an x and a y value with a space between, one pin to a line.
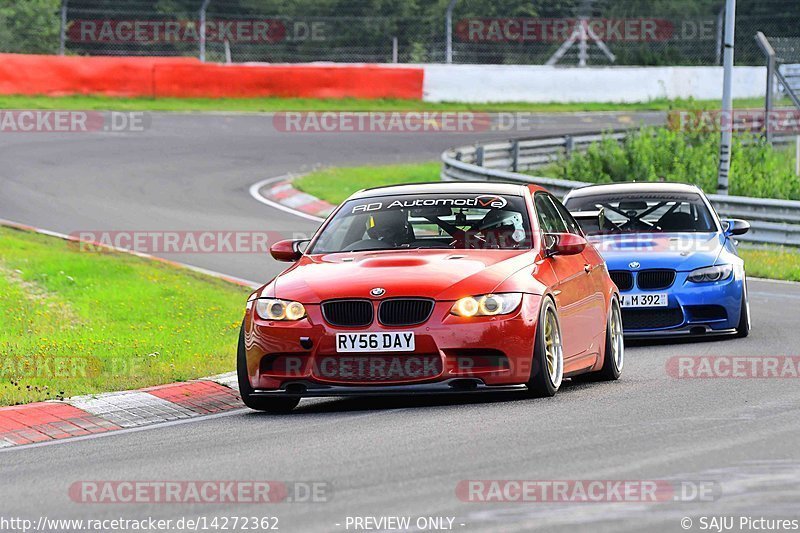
pixel 617 336
pixel 553 350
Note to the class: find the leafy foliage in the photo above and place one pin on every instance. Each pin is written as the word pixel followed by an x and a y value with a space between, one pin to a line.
pixel 361 30
pixel 660 154
pixel 31 26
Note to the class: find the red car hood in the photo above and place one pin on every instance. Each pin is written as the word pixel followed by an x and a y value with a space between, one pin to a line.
pixel 438 274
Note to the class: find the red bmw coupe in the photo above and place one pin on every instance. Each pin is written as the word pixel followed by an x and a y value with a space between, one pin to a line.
pixel 432 288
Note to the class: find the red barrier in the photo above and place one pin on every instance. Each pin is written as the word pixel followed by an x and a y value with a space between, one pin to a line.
pixel 58 76
pixel 188 77
pixel 305 81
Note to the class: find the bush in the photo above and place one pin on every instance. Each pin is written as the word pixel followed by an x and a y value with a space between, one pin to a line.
pixel 31 26
pixel 660 154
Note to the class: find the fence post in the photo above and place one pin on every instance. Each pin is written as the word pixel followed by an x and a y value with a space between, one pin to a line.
pixel 62 45
pixel 448 55
pixel 569 146
pixel 726 138
pixel 228 57
pixel 720 24
pixel 763 43
pixel 479 155
pixel 203 9
pixel 515 155
pixel 395 52
pixel 797 155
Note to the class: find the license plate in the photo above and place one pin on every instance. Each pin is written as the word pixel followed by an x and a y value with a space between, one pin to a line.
pixel 644 300
pixel 395 341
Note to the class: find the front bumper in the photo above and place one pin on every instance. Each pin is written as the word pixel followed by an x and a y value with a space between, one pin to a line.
pixel 452 355
pixel 309 389
pixel 694 309
pixel 688 331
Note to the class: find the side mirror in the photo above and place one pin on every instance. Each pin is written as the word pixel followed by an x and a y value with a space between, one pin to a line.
pixel 736 226
pixel 564 243
pixel 288 251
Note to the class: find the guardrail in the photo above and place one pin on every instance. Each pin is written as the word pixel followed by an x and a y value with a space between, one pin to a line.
pixel 772 221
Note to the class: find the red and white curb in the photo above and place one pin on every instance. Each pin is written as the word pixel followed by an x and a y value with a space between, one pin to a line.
pixel 100 413
pixel 279 193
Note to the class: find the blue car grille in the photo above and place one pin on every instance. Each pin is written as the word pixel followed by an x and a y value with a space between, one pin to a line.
pixel 650 280
pixel 622 278
pixel 651 318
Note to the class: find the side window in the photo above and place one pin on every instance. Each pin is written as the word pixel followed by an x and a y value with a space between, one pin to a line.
pixel 351 230
pixel 571 223
pixel 549 219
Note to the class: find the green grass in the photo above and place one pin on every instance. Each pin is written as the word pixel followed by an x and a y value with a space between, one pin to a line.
pixel 773 263
pixel 75 322
pixel 87 102
pixel 334 185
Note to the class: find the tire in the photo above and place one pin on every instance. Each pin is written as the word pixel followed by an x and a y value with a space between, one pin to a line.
pixel 547 368
pixel 743 329
pixel 614 355
pixel 276 405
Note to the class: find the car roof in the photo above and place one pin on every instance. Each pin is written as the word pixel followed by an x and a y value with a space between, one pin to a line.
pixel 634 187
pixel 445 187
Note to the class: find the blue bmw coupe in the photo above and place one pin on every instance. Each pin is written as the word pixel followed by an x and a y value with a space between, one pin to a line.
pixel 675 262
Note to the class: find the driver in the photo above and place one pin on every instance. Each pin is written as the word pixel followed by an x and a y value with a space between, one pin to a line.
pixel 502 229
pixel 390 227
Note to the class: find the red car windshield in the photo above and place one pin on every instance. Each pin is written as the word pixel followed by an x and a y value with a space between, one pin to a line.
pixel 422 221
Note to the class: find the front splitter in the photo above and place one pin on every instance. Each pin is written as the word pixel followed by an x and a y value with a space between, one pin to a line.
pixel 308 389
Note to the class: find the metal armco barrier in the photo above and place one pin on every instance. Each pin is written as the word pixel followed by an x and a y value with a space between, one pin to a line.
pixel 772 221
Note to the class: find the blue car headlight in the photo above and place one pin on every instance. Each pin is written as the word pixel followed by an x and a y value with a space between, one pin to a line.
pixel 711 274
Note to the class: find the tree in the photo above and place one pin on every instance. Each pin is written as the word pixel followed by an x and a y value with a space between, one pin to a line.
pixel 31 26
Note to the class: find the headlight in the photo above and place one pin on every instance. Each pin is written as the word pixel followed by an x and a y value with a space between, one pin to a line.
pixel 272 309
pixel 711 274
pixel 487 305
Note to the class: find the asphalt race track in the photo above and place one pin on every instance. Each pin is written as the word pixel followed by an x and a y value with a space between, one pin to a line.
pixel 401 456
